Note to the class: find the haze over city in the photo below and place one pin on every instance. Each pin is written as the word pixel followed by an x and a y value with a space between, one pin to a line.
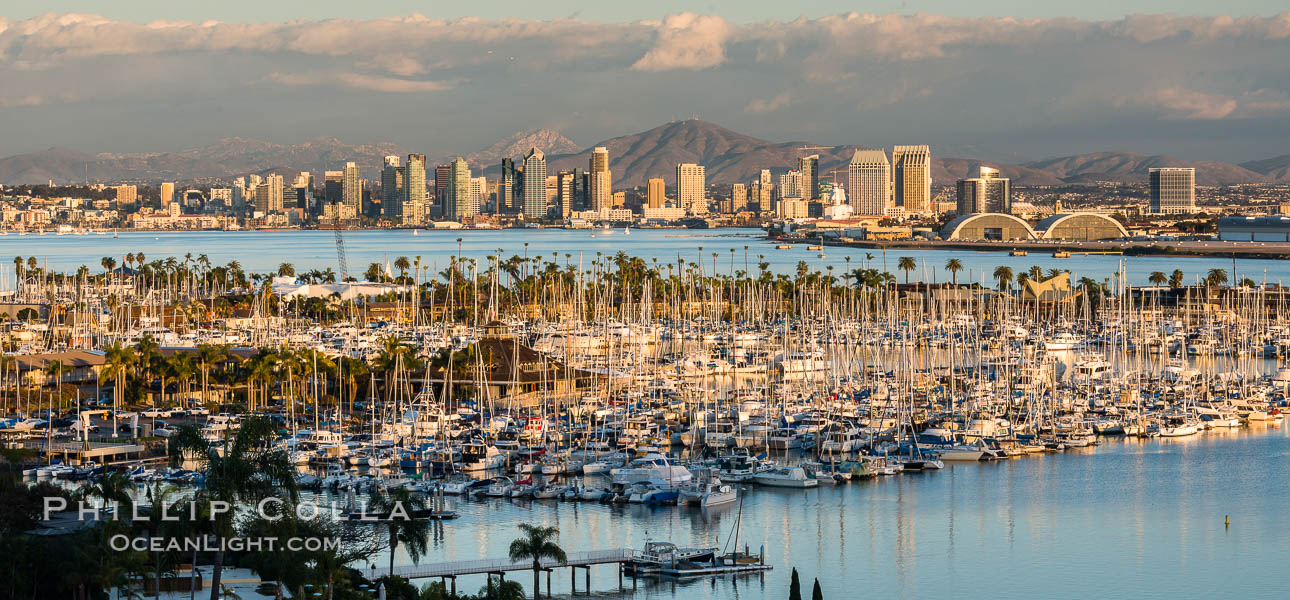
pixel 150 77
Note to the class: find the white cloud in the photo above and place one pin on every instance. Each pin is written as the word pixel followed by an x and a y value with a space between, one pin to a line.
pixel 687 41
pixel 759 105
pixel 360 81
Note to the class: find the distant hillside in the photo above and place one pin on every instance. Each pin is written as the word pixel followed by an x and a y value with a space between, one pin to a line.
pixel 1132 168
pixel 1277 167
pixel 515 145
pixel 729 156
pixel 225 158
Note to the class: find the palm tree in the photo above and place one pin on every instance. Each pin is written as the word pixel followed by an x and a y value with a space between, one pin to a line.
pixel 246 468
pixel 1216 277
pixel 953 265
pixel 1158 278
pixel 1003 275
pixel 537 544
pixel 400 505
pixel 286 270
pixel 906 264
pixel 1176 278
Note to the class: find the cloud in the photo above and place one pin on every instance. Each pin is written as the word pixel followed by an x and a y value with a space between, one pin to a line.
pixel 759 105
pixel 687 41
pixel 359 81
pixel 850 78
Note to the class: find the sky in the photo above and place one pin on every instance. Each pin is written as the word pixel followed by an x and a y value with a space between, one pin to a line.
pixel 1043 80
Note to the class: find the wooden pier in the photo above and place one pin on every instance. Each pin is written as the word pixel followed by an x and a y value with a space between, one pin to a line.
pixel 450 571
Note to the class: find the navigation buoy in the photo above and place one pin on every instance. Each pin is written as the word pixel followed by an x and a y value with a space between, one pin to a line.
pixel 1227 521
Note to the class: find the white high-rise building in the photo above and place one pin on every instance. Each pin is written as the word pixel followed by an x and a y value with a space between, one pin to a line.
pixel 869 182
pixel 167 194
pixel 1173 190
pixel 351 187
pixel 460 203
pixel 912 185
pixel 534 185
pixel 691 185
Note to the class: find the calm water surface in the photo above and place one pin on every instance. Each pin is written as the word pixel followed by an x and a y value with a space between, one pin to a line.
pixel 1129 519
pixel 263 250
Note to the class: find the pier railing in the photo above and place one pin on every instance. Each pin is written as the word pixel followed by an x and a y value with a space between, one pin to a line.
pixel 501 565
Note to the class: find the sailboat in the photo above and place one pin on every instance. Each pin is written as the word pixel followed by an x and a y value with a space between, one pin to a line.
pixel 627 231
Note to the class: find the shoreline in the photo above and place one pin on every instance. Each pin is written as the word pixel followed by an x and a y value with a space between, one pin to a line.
pixel 1212 249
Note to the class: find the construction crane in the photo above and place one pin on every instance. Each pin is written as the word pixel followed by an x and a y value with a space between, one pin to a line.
pixel 340 255
pixel 809 148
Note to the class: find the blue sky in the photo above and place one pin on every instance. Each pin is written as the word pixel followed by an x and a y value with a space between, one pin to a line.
pixel 615 11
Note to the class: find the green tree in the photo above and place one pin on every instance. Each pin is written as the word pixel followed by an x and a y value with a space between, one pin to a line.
pixel 1216 277
pixel 816 593
pixel 953 265
pixel 400 507
pixel 536 544
pixel 1003 275
pixel 247 467
pixel 1158 278
pixel 1176 278
pixel 795 587
pixel 906 264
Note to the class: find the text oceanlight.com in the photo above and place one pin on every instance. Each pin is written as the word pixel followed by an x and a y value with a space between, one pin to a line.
pixel 121 543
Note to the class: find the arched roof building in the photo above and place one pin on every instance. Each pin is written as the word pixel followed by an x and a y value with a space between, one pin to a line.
pixel 1081 226
pixel 988 226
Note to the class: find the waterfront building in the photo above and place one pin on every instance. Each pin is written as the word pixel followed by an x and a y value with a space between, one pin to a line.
pixel 268 195
pixel 690 188
pixel 392 188
pixel 869 182
pixel 413 190
pixel 352 190
pixel 1173 190
pixel 988 192
pixel 654 194
pixel 1254 229
pixel 912 184
pixel 567 187
pixel 601 179
pixel 794 184
pixel 534 185
pixel 222 197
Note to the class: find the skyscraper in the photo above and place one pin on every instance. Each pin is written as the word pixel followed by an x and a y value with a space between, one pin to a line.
pixel 459 203
pixel 441 175
pixel 333 184
pixel 1173 190
pixel 126 195
pixel 601 179
pixel 985 193
pixel 912 168
pixel 413 194
pixel 690 188
pixel 268 195
pixel 567 182
pixel 869 182
pixel 794 184
pixel 392 188
pixel 352 190
pixel 167 195
pixel 809 167
pixel 506 187
pixel 654 193
pixel 534 185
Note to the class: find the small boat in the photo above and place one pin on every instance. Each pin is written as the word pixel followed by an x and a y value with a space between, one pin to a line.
pixel 789 477
pixel 1018 253
pixel 784 247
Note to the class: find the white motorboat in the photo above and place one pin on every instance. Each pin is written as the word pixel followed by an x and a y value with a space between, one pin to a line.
pixel 789 477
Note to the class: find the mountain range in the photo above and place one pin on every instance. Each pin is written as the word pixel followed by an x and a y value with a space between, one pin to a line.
pixel 728 155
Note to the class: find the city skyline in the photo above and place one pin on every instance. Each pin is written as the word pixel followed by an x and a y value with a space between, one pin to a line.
pixel 1204 87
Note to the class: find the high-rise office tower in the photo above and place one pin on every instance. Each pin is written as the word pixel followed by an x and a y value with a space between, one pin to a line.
pixel 506 187
pixel 442 174
pixel 458 202
pixel 534 185
pixel 566 195
pixel 167 194
pixel 869 182
pixel 985 193
pixel 601 179
pixel 738 197
pixel 912 171
pixel 691 186
pixel 1173 189
pixel 809 167
pixel 333 186
pixel 352 187
pixel 413 193
pixel 392 188
pixel 654 192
